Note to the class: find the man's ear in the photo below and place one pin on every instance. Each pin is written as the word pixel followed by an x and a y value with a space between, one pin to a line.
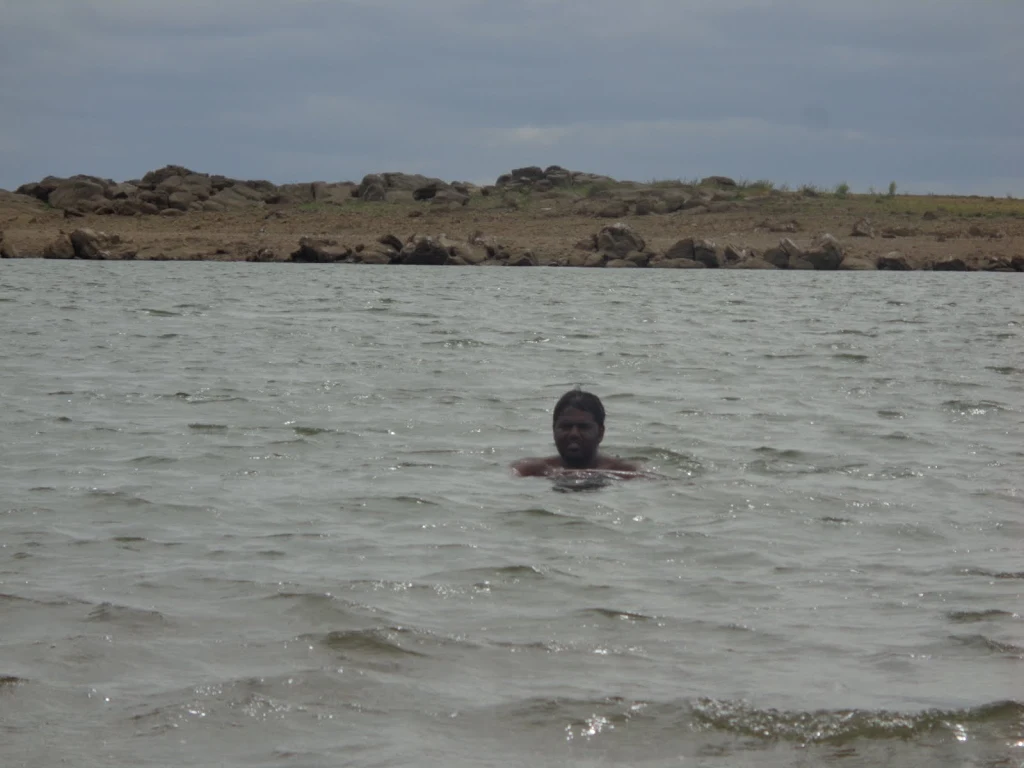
pixel 600 433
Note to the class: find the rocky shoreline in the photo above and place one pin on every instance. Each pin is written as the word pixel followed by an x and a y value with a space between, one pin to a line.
pixel 529 217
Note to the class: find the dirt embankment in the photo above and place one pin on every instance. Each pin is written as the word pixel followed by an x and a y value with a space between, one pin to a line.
pixel 530 217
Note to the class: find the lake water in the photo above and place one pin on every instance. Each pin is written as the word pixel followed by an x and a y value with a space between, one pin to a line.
pixel 261 515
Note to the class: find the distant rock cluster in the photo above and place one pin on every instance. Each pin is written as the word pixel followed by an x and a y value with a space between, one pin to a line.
pixel 616 246
pixel 173 191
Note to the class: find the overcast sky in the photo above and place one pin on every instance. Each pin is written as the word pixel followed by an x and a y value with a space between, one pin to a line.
pixel 927 93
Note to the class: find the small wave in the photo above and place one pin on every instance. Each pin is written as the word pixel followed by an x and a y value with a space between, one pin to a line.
pixel 373 642
pixel 967 408
pixel 1006 370
pixel 538 512
pixel 456 344
pixel 841 726
pixel 125 616
pixel 160 312
pixel 200 427
pixel 611 613
pixel 153 461
pixel 982 643
pixel 314 431
pixel 509 574
pixel 10 681
pixel 118 497
pixel 993 574
pixel 969 617
pixel 852 357
pixel 584 483
pixel 891 414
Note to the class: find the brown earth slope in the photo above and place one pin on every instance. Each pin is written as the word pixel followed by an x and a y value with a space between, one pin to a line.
pixel 532 216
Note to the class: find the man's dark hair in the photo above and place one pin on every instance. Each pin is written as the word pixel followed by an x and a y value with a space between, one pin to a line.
pixel 580 400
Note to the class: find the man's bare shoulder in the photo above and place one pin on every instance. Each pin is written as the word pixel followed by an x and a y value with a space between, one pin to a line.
pixel 536 467
pixel 618 465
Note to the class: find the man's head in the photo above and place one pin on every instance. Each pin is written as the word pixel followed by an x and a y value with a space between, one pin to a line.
pixel 578 423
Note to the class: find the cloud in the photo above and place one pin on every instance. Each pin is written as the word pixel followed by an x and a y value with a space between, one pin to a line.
pixel 796 90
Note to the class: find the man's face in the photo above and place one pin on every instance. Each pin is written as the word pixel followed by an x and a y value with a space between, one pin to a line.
pixel 577 436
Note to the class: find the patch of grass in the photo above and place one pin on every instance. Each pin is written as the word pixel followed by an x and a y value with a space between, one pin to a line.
pixel 597 189
pixel 318 206
pixel 966 207
pixel 841 190
pixel 810 190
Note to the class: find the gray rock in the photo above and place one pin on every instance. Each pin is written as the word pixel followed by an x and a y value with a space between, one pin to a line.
pixel 678 263
pixel 683 249
pixel 894 260
pixel 424 251
pixel 319 251
pixel 862 228
pixel 619 240
pixel 706 252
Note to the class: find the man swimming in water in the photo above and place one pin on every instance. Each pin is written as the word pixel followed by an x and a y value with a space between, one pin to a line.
pixel 578 423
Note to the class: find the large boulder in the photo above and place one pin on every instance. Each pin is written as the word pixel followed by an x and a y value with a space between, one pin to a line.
pixel 41 190
pixel 80 193
pixel 376 253
pixel 372 188
pixel 862 228
pixel 59 248
pixel 777 257
pixel 857 262
pixel 732 256
pixel 683 249
pixel 753 261
pixel 7 250
pixel 157 177
pixel 90 244
pixel 319 251
pixel 426 192
pixel 122 191
pixel 894 260
pixel 718 181
pixel 795 255
pixel 336 193
pixel 677 263
pixel 706 252
pixel 826 254
pixel 613 209
pixel 409 182
pixel 952 264
pixel 619 240
pixel 424 251
pixel 233 198
pixel 522 259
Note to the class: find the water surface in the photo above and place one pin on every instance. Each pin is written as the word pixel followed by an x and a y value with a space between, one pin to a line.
pixel 261 515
